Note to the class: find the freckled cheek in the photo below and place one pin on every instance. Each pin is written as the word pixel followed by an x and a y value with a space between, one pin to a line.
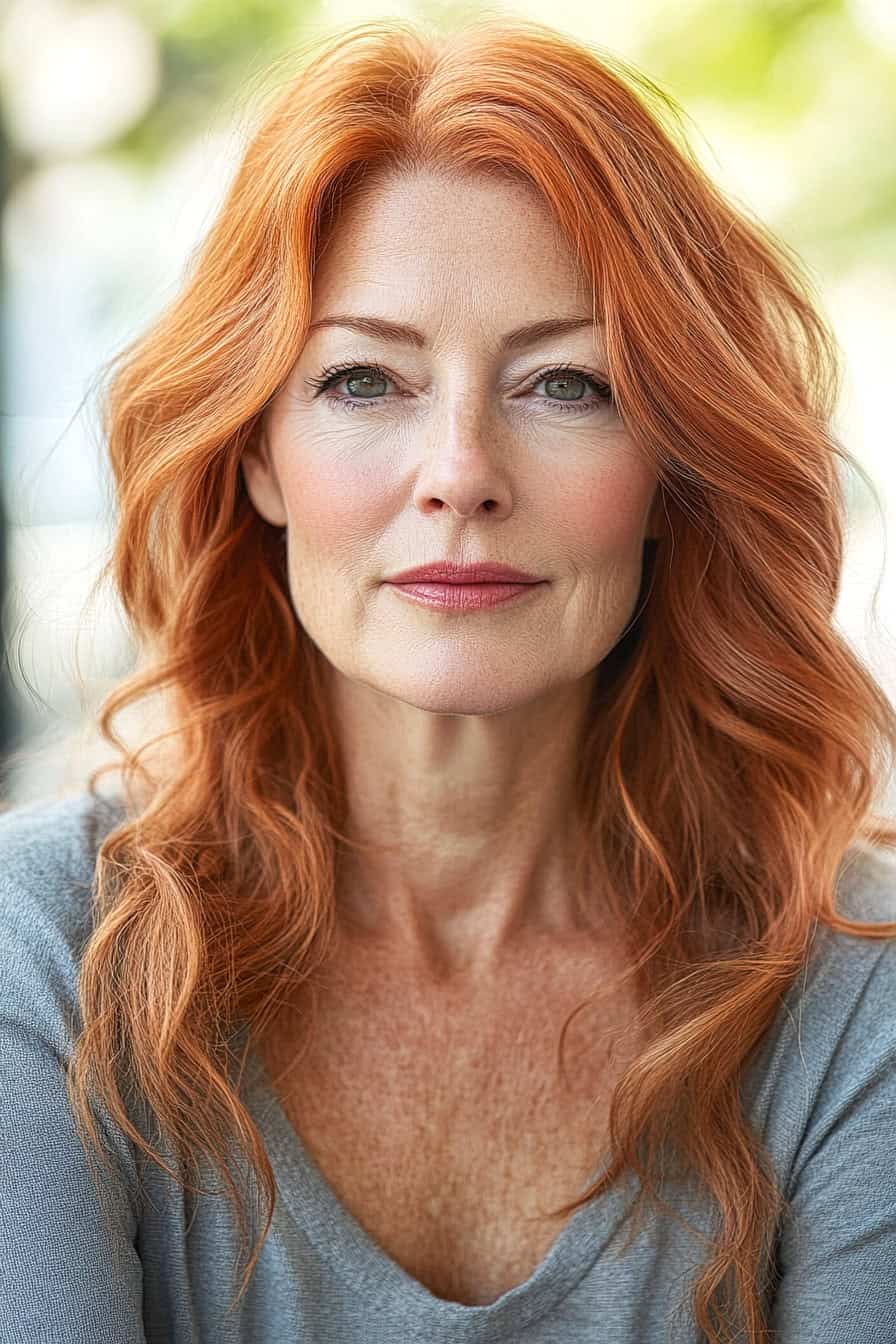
pixel 330 505
pixel 604 516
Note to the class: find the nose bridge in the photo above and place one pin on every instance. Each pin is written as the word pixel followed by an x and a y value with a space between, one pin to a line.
pixel 462 446
pixel 462 408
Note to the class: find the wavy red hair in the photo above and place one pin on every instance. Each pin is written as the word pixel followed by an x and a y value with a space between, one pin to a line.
pixel 741 746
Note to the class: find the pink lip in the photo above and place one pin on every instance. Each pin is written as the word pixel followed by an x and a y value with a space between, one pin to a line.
pixel 445 571
pixel 464 596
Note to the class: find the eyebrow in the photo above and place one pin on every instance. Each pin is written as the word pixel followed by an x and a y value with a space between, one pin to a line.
pixel 518 339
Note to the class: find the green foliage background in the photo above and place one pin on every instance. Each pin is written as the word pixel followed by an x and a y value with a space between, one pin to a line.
pixel 806 78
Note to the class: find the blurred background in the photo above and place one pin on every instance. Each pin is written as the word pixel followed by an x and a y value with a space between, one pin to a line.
pixel 120 125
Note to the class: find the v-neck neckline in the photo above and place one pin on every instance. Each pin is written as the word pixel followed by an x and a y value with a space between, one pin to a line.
pixel 369 1270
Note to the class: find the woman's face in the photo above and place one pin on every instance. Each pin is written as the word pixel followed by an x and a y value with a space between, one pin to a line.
pixel 457 447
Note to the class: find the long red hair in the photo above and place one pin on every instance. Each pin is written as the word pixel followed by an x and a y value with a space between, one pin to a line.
pixel 741 745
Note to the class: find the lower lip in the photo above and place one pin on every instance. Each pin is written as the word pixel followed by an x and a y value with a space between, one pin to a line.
pixel 465 596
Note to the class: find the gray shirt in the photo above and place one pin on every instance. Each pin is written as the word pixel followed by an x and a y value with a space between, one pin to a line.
pixel 821 1092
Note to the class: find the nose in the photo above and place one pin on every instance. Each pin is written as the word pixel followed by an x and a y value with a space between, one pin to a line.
pixel 462 466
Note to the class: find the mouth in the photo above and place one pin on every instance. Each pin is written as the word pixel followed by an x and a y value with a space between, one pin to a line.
pixel 446 571
pixel 466 597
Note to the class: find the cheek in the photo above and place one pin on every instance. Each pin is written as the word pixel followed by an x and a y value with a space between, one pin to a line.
pixel 332 505
pixel 604 514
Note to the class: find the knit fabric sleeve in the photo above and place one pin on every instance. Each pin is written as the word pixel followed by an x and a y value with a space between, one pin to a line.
pixel 837 1247
pixel 69 1267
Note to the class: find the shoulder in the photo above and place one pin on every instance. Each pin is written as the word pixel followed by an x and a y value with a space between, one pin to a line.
pixel 866 886
pixel 833 1081
pixel 830 1059
pixel 47 862
pixel 69 1239
pixel 50 845
pixel 53 835
pixel 847 988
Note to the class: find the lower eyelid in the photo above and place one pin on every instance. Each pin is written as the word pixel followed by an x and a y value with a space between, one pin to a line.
pixel 582 407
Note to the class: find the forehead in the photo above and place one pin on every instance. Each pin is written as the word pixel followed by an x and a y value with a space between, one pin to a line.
pixel 486 247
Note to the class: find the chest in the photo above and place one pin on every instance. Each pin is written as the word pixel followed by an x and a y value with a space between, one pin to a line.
pixel 447 1127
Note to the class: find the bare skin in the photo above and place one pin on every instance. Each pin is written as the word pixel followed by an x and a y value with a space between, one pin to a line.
pixel 463 947
pixel 439 1115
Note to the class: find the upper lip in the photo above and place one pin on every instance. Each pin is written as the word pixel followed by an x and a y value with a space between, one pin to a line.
pixel 446 571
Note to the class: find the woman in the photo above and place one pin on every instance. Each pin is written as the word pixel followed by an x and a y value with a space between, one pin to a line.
pixel 527 936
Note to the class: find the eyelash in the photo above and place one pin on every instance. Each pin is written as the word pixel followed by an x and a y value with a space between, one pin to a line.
pixel 336 372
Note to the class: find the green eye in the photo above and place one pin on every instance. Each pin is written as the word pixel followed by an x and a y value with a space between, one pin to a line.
pixel 561 373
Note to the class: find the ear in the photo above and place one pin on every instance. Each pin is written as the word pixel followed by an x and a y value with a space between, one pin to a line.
pixel 261 480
